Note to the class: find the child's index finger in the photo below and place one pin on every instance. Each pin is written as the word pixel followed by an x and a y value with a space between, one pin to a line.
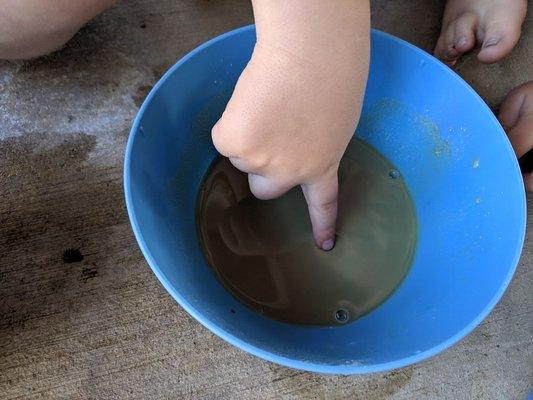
pixel 321 197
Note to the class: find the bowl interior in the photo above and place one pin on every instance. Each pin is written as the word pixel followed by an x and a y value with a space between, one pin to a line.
pixel 459 167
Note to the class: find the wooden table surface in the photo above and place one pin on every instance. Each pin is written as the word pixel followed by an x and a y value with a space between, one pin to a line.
pixel 81 314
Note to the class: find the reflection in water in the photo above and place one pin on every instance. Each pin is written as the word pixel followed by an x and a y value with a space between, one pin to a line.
pixel 263 251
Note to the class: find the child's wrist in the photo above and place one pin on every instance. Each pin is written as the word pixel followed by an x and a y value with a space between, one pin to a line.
pixel 315 31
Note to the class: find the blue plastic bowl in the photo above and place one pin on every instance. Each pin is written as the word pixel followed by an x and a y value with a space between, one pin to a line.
pixel 457 162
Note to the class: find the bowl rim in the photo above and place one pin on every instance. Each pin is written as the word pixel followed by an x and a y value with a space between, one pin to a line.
pixel 345 369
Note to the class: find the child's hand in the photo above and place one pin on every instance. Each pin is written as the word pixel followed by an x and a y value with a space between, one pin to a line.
pixel 297 103
pixel 516 117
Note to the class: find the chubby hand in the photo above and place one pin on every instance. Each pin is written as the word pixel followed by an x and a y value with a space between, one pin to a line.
pixel 290 118
pixel 516 117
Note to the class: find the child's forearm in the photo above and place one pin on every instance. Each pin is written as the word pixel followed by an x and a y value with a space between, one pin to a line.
pixel 318 31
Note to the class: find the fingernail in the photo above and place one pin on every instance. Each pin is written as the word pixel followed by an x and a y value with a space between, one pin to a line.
pixel 461 42
pixel 327 245
pixel 491 42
